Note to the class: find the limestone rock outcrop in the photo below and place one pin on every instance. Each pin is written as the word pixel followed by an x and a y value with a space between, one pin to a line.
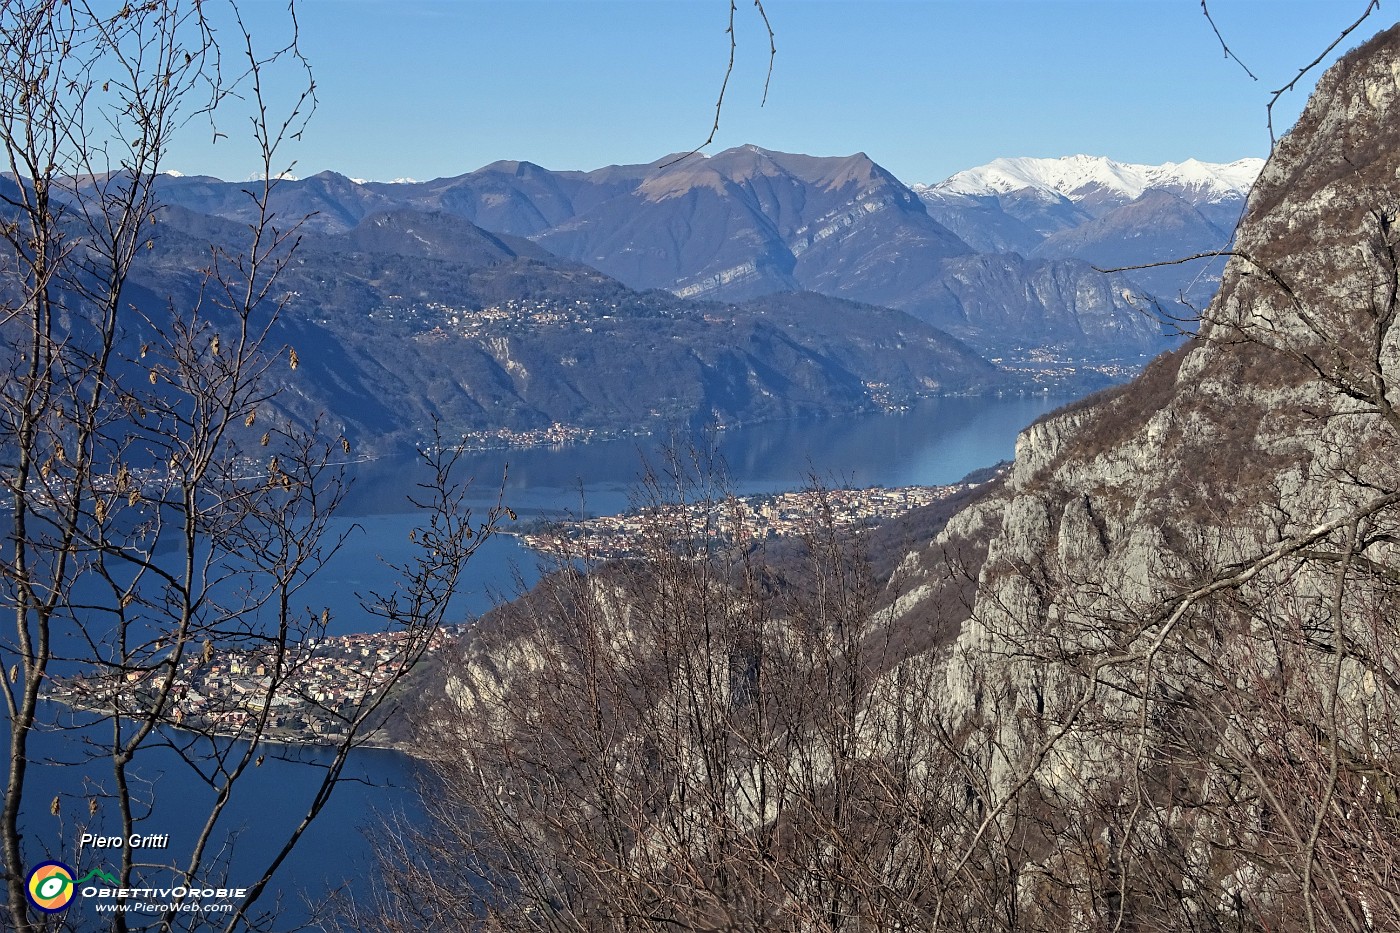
pixel 1178 667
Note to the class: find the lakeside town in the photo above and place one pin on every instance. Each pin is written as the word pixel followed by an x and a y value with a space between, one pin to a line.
pixel 1047 368
pixel 308 692
pixel 742 518
pixel 309 696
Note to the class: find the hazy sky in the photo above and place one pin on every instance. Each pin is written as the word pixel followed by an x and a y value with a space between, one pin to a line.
pixel 429 88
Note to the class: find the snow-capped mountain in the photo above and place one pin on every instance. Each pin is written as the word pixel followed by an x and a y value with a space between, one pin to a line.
pixel 1109 214
pixel 1083 178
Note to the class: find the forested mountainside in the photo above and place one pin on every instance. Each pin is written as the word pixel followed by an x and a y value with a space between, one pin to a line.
pixel 505 303
pixel 1018 275
pixel 412 317
pixel 1151 681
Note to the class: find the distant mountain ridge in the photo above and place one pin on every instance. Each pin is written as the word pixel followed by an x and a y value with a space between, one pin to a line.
pixel 749 221
pixel 419 316
pixel 1084 178
pixel 742 286
pixel 1106 213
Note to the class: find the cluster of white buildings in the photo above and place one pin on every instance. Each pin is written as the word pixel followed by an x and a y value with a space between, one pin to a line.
pixel 300 691
pixel 735 519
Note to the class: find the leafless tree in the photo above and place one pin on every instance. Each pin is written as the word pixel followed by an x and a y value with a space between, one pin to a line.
pixel 684 740
pixel 707 738
pixel 699 740
pixel 160 515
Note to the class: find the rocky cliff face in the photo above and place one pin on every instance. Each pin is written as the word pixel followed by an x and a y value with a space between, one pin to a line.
pixel 1282 407
pixel 1179 667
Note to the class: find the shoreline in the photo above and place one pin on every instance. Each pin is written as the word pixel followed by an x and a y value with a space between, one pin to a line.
pixel 617 529
pixel 369 741
pixel 1027 388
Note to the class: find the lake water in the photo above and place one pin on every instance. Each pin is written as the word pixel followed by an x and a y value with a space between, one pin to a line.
pixel 937 442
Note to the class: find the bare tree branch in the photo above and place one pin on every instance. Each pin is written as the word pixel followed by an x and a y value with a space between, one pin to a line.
pixel 1371 7
pixel 1205 9
pixel 729 72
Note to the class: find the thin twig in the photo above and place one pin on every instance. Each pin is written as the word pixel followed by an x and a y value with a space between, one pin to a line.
pixel 1371 6
pixel 729 72
pixel 1212 254
pixel 1228 54
pixel 772 50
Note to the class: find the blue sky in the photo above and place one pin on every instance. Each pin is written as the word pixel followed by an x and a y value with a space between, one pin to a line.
pixel 429 88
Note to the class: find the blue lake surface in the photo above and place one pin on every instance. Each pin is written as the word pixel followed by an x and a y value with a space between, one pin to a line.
pixel 936 442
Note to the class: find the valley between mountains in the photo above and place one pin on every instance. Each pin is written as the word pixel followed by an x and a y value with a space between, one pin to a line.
pixel 1142 678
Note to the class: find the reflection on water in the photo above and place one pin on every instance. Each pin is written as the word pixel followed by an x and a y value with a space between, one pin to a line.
pixel 938 441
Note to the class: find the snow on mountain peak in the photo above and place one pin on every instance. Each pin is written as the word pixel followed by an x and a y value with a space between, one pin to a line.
pixel 1079 176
